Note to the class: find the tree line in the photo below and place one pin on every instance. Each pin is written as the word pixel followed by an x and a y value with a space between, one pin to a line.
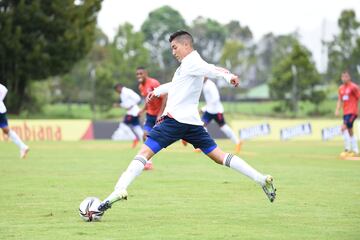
pixel 60 55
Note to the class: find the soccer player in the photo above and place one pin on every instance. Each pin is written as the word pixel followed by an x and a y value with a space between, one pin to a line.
pixel 181 120
pixel 24 149
pixel 154 108
pixel 129 100
pixel 214 110
pixel 348 100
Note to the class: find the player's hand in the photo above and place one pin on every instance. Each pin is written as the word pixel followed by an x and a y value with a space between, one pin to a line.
pixel 150 97
pixel 235 81
pixel 141 112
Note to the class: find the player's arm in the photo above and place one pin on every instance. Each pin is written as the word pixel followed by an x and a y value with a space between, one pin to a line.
pixel 143 109
pixel 338 105
pixel 159 91
pixel 211 71
pixel 3 92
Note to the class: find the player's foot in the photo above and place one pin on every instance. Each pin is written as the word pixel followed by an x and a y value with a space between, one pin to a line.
pixel 184 142
pixel 135 143
pixel 122 195
pixel 197 150
pixel 352 154
pixel 148 165
pixel 269 188
pixel 238 147
pixel 24 152
pixel 344 154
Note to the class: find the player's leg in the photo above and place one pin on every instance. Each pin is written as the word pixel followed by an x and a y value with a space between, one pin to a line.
pixel 228 131
pixel 239 165
pixel 128 121
pixel 353 139
pixel 150 121
pixel 134 169
pixel 200 138
pixel 161 136
pixel 346 136
pixel 24 149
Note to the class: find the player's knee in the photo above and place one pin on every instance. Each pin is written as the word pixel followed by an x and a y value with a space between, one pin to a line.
pixel 146 152
pixel 5 130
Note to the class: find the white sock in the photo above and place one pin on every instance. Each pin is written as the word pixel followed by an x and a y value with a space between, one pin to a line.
pixel 347 144
pixel 230 133
pixel 134 169
pixel 16 139
pixel 139 132
pixel 241 166
pixel 354 144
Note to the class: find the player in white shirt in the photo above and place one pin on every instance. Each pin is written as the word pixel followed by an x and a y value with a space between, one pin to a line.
pixel 181 120
pixel 129 100
pixel 214 110
pixel 24 149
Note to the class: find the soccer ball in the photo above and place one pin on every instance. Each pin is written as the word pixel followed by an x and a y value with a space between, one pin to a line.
pixel 88 210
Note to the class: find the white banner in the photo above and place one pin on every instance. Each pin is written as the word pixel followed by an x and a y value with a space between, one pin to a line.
pixel 295 131
pixel 330 132
pixel 255 131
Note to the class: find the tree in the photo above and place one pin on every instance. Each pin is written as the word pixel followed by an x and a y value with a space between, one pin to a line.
pixel 127 53
pixel 157 29
pixel 344 49
pixel 270 50
pixel 41 39
pixel 209 37
pixel 295 78
pixel 238 53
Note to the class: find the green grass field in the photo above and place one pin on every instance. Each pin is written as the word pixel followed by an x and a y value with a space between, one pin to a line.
pixel 186 196
pixel 248 109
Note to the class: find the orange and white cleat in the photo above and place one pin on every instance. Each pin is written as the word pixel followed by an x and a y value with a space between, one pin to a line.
pixel 135 143
pixel 238 147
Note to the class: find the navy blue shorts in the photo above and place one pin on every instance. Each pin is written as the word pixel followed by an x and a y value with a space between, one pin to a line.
pixel 218 117
pixel 131 120
pixel 349 120
pixel 169 131
pixel 3 120
pixel 150 122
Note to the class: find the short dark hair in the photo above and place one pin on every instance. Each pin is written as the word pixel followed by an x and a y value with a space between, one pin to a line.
pixel 141 68
pixel 183 35
pixel 346 71
pixel 117 85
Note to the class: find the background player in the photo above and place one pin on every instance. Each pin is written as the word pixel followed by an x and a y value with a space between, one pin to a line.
pixel 129 100
pixel 153 109
pixel 182 120
pixel 213 110
pixel 348 100
pixel 24 149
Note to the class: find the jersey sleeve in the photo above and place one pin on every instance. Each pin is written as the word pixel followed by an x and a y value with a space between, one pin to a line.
pixel 356 90
pixel 210 71
pixel 3 92
pixel 339 94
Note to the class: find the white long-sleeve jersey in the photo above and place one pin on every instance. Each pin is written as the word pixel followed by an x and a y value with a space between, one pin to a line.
pixel 3 92
pixel 185 88
pixel 129 100
pixel 212 98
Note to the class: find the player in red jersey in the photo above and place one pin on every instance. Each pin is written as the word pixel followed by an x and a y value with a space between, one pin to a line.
pixel 349 94
pixel 153 109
